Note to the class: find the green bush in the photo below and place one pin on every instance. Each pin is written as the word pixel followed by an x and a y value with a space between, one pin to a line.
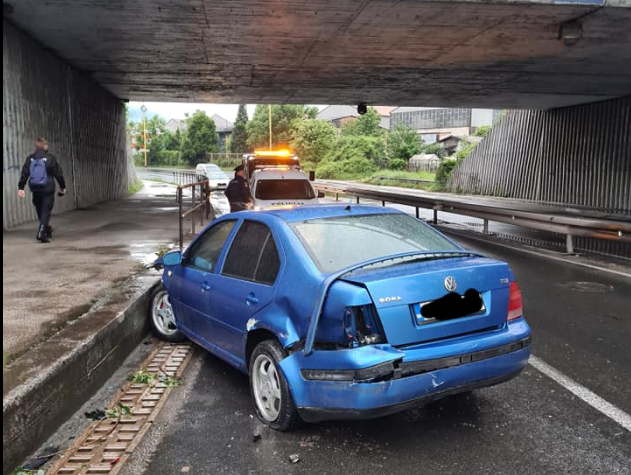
pixel 168 157
pixel 482 131
pixel 351 168
pixel 227 162
pixel 435 149
pixel 444 170
pixel 397 164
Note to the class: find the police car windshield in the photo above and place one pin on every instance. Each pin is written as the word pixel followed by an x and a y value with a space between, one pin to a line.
pixel 217 175
pixel 332 242
pixel 284 190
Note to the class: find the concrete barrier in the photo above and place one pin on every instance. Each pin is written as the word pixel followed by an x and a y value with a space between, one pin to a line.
pixel 51 382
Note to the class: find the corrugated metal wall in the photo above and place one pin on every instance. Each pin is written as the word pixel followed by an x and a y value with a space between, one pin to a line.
pixel 577 155
pixel 83 123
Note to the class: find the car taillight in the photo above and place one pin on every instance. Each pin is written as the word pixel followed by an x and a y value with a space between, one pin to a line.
pixel 515 309
pixel 361 326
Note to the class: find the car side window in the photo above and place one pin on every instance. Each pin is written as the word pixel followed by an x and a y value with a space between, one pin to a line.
pixel 269 263
pixel 253 255
pixel 205 253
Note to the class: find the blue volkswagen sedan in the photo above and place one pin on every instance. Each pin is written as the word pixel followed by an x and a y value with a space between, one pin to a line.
pixel 343 312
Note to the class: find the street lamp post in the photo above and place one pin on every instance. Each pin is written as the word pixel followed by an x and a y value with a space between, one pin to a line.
pixel 144 130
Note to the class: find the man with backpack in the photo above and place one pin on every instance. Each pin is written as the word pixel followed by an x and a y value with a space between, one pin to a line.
pixel 39 170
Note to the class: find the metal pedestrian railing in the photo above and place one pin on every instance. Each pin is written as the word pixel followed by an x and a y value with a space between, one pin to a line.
pixel 529 215
pixel 199 205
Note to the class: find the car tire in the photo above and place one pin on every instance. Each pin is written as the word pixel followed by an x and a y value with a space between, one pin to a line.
pixel 270 392
pixel 161 317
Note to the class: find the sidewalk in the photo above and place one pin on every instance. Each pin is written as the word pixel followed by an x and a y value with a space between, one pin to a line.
pixel 75 308
pixel 46 286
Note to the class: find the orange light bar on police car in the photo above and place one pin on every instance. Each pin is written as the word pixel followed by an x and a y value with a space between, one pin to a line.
pixel 272 153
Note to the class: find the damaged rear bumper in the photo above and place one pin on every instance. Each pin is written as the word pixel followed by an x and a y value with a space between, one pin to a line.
pixel 392 380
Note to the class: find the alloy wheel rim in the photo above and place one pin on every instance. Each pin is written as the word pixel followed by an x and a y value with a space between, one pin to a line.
pixel 163 317
pixel 266 387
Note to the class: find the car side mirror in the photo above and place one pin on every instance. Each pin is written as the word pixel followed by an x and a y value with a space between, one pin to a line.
pixel 321 194
pixel 172 258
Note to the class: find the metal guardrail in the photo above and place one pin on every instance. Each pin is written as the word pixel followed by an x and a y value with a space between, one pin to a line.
pixel 404 180
pixel 540 219
pixel 204 204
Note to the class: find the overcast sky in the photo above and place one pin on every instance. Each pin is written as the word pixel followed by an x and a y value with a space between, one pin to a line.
pixel 176 110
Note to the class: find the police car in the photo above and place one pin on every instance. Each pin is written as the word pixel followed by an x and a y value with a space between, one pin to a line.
pixel 281 186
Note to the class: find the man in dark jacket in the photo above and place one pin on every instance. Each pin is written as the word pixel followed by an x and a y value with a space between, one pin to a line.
pixel 39 170
pixel 238 191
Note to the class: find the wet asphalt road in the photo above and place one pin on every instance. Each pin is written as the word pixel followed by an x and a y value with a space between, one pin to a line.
pixel 581 326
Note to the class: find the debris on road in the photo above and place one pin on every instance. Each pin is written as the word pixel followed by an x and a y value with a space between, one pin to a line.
pixel 294 458
pixel 95 415
pixel 48 453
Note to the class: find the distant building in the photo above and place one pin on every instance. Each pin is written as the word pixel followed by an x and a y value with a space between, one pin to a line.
pixel 451 143
pixel 436 123
pixel 174 125
pixel 339 115
pixel 224 129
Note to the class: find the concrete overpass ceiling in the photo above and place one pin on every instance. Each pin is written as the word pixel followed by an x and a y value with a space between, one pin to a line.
pixel 493 53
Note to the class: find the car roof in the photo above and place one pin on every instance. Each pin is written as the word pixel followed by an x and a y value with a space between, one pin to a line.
pixel 305 212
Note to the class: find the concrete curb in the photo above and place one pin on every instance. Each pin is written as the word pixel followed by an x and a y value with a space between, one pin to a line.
pixel 68 369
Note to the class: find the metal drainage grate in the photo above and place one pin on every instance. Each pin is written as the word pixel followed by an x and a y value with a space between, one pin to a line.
pixel 107 444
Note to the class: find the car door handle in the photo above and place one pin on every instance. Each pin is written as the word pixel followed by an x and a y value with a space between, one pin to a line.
pixel 251 299
pixel 205 286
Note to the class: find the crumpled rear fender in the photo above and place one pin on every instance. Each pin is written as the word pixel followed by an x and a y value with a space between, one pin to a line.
pixel 282 327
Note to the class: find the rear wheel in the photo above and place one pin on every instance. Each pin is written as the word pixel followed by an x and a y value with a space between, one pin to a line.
pixel 161 316
pixel 270 391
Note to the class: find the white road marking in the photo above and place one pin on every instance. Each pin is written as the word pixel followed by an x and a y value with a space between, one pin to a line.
pixel 612 412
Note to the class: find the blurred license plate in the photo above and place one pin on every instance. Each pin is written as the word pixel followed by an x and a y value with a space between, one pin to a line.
pixel 420 319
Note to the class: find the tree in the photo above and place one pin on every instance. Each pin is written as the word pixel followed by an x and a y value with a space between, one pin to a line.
pixel 239 137
pixel 352 156
pixel 367 124
pixel 284 120
pixel 313 139
pixel 201 138
pixel 403 143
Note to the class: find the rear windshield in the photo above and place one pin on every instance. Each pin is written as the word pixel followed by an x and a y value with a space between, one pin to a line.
pixel 336 243
pixel 284 190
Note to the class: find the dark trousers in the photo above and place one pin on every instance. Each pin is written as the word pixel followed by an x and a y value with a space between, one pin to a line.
pixel 44 205
pixel 237 206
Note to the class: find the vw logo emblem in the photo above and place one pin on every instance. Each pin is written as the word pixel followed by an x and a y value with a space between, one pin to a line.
pixel 450 283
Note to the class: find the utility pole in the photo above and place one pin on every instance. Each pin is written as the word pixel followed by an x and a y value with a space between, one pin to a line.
pixel 144 130
pixel 269 110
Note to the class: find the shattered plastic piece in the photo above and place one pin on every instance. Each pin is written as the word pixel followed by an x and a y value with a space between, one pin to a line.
pixel 185 469
pixel 294 458
pixel 96 415
pixel 41 459
pixel 256 438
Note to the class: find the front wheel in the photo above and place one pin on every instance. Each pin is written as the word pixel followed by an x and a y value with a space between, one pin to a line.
pixel 161 316
pixel 270 391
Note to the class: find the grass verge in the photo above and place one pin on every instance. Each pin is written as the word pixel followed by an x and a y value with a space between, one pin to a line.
pixel 135 187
